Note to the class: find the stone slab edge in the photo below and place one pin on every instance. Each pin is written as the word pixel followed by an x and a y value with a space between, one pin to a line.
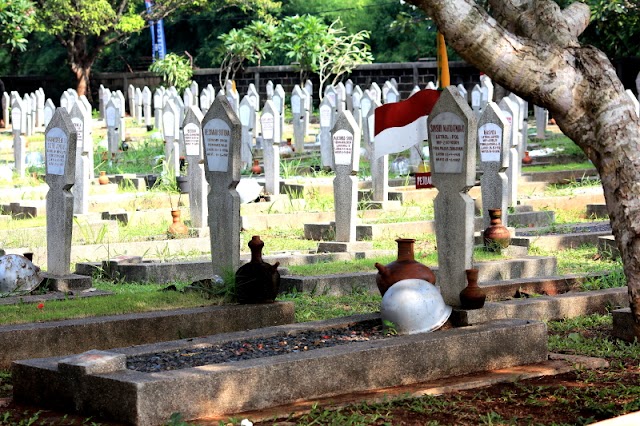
pixel 147 399
pixel 52 338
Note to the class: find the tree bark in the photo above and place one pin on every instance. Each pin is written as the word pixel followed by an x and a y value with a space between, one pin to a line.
pixel 531 48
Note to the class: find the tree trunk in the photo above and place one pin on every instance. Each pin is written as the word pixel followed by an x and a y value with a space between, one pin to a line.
pixel 533 51
pixel 81 60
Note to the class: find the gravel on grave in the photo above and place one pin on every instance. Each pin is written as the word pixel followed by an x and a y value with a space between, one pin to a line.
pixel 565 229
pixel 256 348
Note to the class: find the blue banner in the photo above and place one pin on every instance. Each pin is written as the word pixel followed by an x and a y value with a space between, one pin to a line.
pixel 158 45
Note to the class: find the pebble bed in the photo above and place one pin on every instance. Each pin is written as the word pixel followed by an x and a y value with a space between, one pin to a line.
pixel 256 348
pixel 566 229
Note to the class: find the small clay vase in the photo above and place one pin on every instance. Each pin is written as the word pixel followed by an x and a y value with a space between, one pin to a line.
pixel 403 268
pixel 472 296
pixel 496 236
pixel 257 281
pixel 177 227
pixel 527 159
pixel 103 179
pixel 256 169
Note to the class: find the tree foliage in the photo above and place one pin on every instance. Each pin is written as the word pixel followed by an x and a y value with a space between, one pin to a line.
pixel 175 70
pixel 16 22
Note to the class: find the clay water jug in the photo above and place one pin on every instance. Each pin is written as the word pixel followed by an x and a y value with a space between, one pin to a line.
pixel 103 179
pixel 527 158
pixel 472 296
pixel 257 281
pixel 256 169
pixel 496 237
pixel 177 227
pixel 403 268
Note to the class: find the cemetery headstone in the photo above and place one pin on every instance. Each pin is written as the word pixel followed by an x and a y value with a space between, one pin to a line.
pixel 542 117
pixel 204 101
pixel 392 95
pixel 157 108
pixel 194 92
pixel 380 165
pixel 278 102
pixel 463 92
pixel 39 107
pixel 326 148
pixel 198 187
pixel 221 140
pixel 476 99
pixel 119 96
pixel 112 119
pixel 346 157
pixel 87 138
pixel 348 90
pixel 634 100
pixel 247 115
pixel 452 128
pixel 269 89
pixel 307 104
pixel 297 110
pixel 146 107
pixel 60 164
pixel 252 91
pixel 269 121
pixel 19 141
pixel 415 90
pixel 356 98
pixel 138 103
pixel 131 94
pixel 493 145
pixel 170 127
pixel 341 96
pixel 431 86
pixel 508 110
pixel 6 104
pixel 487 90
pixel 81 187
pixel 49 109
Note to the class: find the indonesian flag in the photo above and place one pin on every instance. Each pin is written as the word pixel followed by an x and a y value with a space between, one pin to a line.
pixel 401 125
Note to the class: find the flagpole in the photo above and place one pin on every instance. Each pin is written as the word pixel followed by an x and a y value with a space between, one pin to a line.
pixel 443 63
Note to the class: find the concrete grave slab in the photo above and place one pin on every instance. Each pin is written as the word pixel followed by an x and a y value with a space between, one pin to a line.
pixel 150 398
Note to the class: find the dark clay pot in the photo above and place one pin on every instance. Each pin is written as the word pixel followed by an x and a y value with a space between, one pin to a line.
pixel 496 236
pixel 257 281
pixel 405 267
pixel 472 296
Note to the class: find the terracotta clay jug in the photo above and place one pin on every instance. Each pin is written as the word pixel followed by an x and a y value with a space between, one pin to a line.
pixel 472 296
pixel 496 236
pixel 256 169
pixel 177 227
pixel 103 179
pixel 403 268
pixel 257 281
pixel 527 158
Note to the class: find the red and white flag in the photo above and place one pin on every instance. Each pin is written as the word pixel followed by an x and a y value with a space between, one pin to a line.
pixel 401 125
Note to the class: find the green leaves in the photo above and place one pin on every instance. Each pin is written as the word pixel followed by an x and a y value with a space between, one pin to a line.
pixel 16 22
pixel 175 70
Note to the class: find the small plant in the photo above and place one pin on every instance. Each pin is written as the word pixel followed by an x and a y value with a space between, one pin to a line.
pixel 389 328
pixel 175 70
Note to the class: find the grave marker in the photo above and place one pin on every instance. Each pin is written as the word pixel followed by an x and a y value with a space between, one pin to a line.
pixel 49 109
pixel 377 92
pixel 198 187
pixel 476 99
pixel 81 187
pixel 247 115
pixel 346 157
pixel 348 90
pixel 392 95
pixel 356 98
pixel 297 110
pixel 146 107
pixel 112 117
pixel 170 127
pixel 463 92
pixel 204 101
pixel 493 145
pixel 542 117
pixel 157 108
pixel 6 103
pixel 452 128
pixel 221 141
pixel 380 165
pixel 138 103
pixel 278 102
pixel 39 107
pixel 269 121
pixel 269 89
pixel 131 93
pixel 508 111
pixel 326 149
pixel 60 164
pixel 19 141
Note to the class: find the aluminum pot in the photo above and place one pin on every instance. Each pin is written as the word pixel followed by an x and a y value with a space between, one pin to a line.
pixel 18 274
pixel 414 306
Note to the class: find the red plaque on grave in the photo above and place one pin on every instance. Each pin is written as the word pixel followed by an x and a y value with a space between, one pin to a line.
pixel 423 180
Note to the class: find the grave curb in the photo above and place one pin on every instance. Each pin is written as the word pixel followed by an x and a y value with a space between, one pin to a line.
pixel 53 338
pixel 150 398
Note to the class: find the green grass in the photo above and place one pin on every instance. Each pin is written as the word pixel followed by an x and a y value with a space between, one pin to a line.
pixel 559 167
pixel 128 298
